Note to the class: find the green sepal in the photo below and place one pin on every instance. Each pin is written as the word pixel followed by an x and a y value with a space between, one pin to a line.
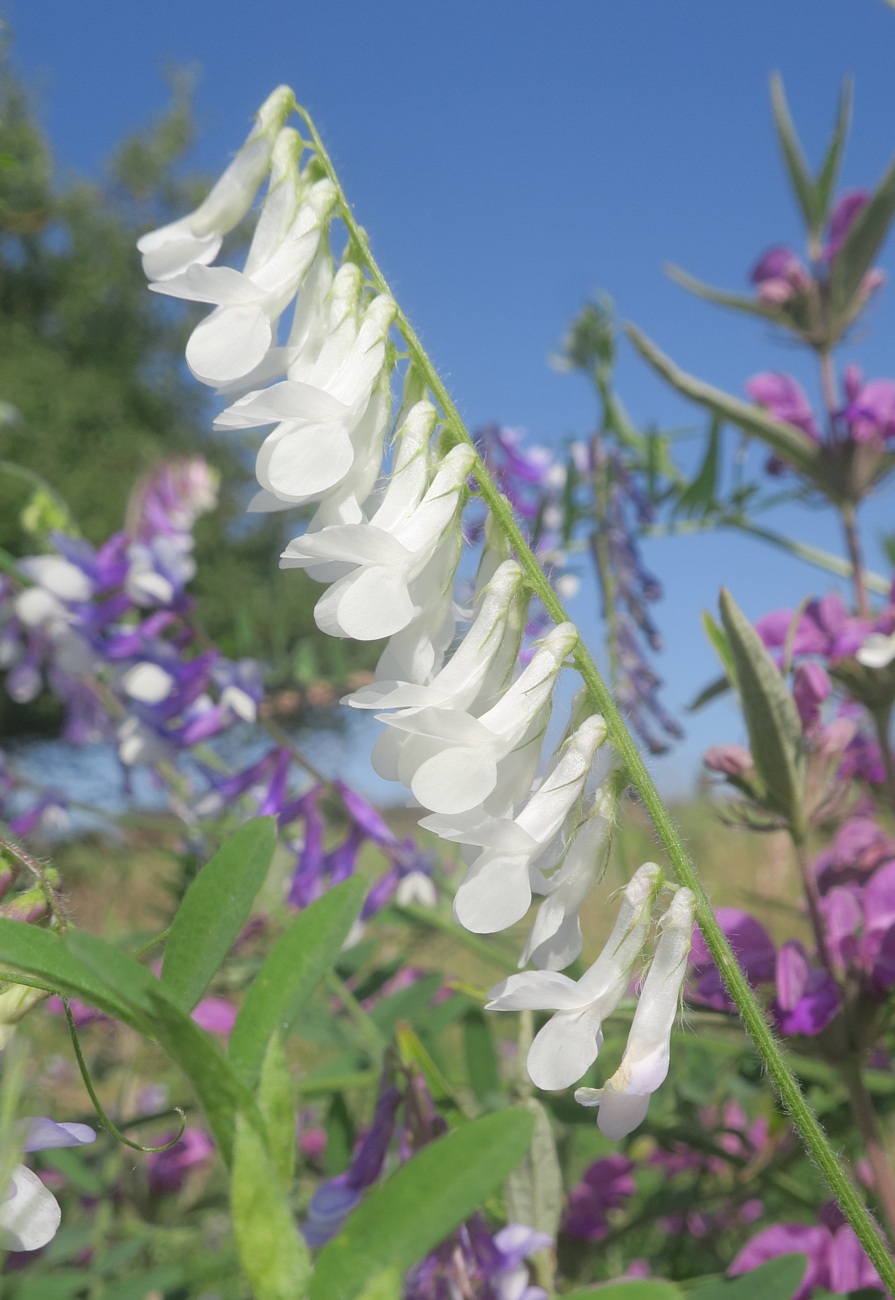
pixel 772 720
pixel 736 301
pixel 214 910
pixel 273 1255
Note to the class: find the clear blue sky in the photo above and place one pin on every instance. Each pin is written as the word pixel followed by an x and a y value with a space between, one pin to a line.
pixel 510 158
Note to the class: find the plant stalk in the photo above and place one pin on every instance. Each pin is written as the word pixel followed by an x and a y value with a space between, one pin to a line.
pixel 786 1083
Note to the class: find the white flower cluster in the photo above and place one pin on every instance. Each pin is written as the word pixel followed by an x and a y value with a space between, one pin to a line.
pixel 464 721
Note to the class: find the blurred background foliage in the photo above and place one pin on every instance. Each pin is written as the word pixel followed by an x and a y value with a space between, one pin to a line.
pixel 95 392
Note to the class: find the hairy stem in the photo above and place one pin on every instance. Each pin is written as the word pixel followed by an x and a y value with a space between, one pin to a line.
pixel 853 542
pixel 785 1081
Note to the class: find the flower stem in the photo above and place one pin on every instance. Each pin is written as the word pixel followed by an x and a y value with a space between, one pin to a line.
pixel 786 1083
pixel 853 542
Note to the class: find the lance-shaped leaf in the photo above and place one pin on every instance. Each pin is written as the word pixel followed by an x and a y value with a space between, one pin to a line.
pixel 862 243
pixel 829 172
pixel 277 1105
pixel 398 1223
pixel 796 166
pixel 699 495
pixel 788 442
pixel 214 910
pixel 275 1258
pixel 778 1277
pixel 772 720
pixel 294 967
pixel 534 1191
pixel 737 301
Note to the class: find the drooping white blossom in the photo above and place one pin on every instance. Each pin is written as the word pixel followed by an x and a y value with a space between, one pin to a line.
pixel 386 586
pixel 233 341
pixel 624 1099
pixel 571 1040
pixel 450 760
pixel 555 938
pixel 197 238
pixel 496 891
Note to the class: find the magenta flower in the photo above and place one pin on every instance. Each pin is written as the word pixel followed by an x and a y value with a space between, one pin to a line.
pixel 785 398
pixel 836 1259
pixel 166 1171
pixel 778 274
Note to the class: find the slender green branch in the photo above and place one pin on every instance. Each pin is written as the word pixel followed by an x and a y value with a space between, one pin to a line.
pixel 815 555
pixel 735 981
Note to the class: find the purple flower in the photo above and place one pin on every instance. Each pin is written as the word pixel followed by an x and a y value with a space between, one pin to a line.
pixel 785 398
pixel 807 998
pixel 166 1171
pixel 778 274
pixel 334 1200
pixel 472 1262
pixel 846 210
pixel 605 1186
pixel 215 1016
pixel 811 686
pixel 754 949
pixel 836 1259
pixel 869 411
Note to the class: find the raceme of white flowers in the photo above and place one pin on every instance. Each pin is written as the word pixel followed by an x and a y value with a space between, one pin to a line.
pixel 465 721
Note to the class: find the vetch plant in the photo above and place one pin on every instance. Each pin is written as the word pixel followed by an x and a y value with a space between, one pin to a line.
pixel 385 541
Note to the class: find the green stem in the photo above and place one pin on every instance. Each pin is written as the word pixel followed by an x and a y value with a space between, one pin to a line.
pixel 786 1083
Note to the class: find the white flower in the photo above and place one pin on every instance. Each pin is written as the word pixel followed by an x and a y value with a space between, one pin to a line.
pixel 319 414
pixel 29 1213
pixel 197 238
pixel 555 939
pixel 235 338
pixel 459 683
pixel 571 1040
pixel 624 1100
pixel 385 588
pixel 878 651
pixel 496 891
pixel 451 760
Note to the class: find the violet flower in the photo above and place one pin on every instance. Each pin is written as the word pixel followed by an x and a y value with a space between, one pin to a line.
pixel 605 1186
pixel 167 1171
pixel 473 1262
pixel 836 1259
pixel 334 1200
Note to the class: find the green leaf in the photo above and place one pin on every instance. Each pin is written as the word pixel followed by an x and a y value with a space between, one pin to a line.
pixel 294 967
pixel 862 243
pixel 398 1223
pixel 277 1105
pixel 214 910
pixel 799 175
pixel 720 686
pixel 649 1288
pixel 772 720
pixel 534 1190
pixel 778 1277
pixel 44 956
pixel 720 645
pixel 481 1058
pixel 699 495
pixel 788 442
pixel 198 1055
pixel 390 1284
pixel 829 172
pixel 273 1255
pixel 736 301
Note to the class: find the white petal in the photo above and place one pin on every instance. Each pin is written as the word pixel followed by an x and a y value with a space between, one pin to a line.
pixel 229 343
pixel 288 400
pixel 620 1113
pixel 30 1218
pixel 372 604
pixel 307 460
pixel 455 780
pixel 494 895
pixel 147 682
pixel 565 1048
pixel 878 651
pixel 535 991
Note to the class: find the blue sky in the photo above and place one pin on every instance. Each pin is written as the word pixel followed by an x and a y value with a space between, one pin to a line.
pixel 509 159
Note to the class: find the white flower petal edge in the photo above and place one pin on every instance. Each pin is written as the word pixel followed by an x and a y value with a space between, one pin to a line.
pixel 624 1099
pixel 197 238
pixel 570 1042
pixel 878 651
pixel 30 1216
